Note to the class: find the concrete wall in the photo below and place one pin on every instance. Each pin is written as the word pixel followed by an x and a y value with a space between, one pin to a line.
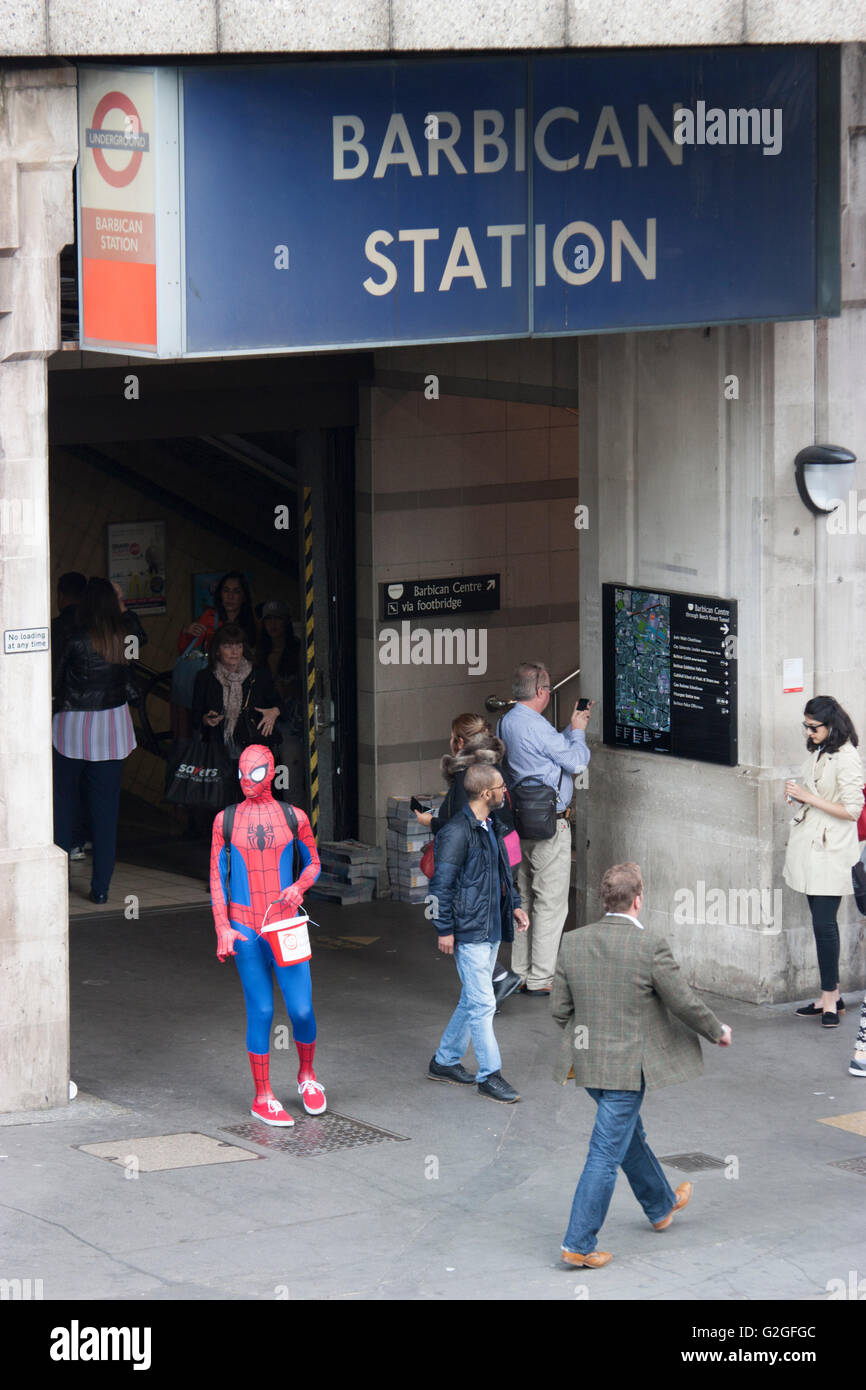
pixel 471 483
pixel 692 491
pixel 88 27
pixel 38 147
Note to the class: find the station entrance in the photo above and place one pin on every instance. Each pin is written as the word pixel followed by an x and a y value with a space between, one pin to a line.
pixel 165 479
pixel 322 480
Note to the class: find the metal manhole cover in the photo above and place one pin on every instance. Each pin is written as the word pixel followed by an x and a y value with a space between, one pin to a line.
pixel 315 1134
pixel 692 1163
pixel 852 1165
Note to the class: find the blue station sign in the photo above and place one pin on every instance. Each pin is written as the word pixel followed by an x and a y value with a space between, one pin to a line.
pixel 414 201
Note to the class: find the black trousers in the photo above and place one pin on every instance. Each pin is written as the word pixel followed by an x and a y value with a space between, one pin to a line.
pixel 824 910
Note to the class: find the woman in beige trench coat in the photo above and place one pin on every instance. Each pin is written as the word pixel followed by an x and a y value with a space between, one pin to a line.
pixel 823 845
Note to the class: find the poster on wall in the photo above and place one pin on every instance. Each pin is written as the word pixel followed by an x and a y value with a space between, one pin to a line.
pixel 136 561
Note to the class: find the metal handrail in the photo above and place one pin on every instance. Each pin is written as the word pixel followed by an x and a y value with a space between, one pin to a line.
pixel 149 682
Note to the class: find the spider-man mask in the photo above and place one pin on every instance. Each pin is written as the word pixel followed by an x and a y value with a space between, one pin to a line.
pixel 256 771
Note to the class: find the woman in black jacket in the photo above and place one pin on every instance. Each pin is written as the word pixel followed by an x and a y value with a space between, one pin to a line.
pixel 233 699
pixel 472 743
pixel 92 728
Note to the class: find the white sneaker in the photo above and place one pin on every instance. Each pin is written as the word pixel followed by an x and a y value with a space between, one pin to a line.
pixel 77 852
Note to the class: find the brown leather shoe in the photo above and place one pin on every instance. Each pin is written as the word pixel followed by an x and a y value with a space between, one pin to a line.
pixel 594 1260
pixel 683 1194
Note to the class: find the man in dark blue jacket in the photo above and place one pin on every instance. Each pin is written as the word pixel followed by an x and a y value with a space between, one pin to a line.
pixel 474 906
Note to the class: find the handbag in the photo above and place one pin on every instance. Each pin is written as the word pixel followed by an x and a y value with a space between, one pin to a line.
pixel 534 806
pixel 511 842
pixel 858 879
pixel 203 775
pixel 246 732
pixel 184 672
pixel 511 839
pixel 861 823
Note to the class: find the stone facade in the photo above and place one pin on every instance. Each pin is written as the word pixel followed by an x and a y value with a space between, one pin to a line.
pixel 83 28
pixel 38 148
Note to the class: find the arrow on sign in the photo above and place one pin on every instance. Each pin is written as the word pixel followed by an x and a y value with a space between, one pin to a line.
pixel 491 584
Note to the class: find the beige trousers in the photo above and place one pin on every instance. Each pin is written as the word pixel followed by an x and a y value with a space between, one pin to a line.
pixel 543 877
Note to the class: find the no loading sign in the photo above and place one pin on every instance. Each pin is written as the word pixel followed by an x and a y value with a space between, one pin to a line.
pixel 131 138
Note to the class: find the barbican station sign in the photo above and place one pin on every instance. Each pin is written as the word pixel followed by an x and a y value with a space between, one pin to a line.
pixel 414 201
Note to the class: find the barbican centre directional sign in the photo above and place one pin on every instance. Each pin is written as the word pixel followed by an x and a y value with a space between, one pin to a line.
pixel 413 201
pixel 670 673
pixel 436 598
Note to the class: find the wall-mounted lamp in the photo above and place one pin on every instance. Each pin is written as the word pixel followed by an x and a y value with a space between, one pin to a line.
pixel 825 475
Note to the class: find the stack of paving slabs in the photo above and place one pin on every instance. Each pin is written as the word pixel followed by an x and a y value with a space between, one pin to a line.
pixel 350 872
pixel 406 841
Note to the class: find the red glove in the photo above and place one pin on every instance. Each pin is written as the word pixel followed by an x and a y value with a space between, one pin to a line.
pixel 226 938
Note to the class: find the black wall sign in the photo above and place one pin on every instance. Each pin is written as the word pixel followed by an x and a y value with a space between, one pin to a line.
pixel 439 598
pixel 670 673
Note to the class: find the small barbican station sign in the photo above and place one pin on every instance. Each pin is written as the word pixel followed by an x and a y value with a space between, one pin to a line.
pixel 435 598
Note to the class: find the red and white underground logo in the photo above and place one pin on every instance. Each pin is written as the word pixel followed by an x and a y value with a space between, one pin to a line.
pixel 132 139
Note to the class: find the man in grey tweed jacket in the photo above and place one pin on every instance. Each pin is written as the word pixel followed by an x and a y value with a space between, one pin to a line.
pixel 631 1023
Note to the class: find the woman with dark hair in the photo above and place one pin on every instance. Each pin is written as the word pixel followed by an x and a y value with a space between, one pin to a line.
pixel 823 845
pixel 233 604
pixel 234 699
pixel 472 743
pixel 92 730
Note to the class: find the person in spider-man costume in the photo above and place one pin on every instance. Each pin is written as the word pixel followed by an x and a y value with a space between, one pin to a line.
pixel 260 883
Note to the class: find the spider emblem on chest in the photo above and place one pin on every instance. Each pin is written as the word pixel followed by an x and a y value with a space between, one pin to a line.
pixel 260 837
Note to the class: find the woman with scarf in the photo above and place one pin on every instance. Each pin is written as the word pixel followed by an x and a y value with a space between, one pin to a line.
pixel 233 699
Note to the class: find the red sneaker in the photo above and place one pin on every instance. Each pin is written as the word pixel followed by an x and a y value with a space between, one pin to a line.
pixel 312 1097
pixel 270 1112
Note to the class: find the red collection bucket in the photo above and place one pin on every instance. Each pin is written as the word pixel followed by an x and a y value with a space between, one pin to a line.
pixel 290 940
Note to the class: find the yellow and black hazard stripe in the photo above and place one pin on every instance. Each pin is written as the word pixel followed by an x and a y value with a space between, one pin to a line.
pixel 310 632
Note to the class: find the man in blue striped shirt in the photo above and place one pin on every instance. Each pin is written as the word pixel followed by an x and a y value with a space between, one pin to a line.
pixel 534 748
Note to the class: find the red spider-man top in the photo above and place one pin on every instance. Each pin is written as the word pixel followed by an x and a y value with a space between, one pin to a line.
pixel 261 850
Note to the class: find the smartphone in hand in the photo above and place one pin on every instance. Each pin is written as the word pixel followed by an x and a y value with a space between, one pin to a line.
pixel 415 805
pixel 583 704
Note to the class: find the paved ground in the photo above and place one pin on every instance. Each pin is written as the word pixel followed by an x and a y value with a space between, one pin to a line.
pixel 473 1204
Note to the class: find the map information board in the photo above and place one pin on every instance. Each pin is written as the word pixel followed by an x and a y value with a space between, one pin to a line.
pixel 670 683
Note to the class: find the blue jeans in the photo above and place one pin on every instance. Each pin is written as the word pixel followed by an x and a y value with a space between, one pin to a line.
pixel 618 1140
pixel 473 1017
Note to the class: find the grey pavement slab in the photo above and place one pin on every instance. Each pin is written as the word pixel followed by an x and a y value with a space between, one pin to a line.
pixel 473 1206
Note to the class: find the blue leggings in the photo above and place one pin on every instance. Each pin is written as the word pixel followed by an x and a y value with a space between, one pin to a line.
pixel 255 961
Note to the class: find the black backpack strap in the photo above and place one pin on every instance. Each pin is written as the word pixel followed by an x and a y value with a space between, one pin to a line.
pixel 228 826
pixel 292 823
